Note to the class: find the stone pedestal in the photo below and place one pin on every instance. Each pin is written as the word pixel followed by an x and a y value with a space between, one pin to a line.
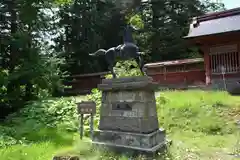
pixel 128 115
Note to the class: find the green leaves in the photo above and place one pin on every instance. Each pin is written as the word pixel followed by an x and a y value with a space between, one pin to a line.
pixel 49 113
pixel 137 21
pixel 63 2
pixel 29 62
pixel 126 69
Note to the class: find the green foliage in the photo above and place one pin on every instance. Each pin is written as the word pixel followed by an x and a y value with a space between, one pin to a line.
pixel 95 96
pixel 84 24
pixel 49 113
pixel 63 2
pixel 31 80
pixel 126 69
pixel 3 85
pixel 136 21
pixel 5 138
pixel 211 6
pixel 28 66
pixel 41 121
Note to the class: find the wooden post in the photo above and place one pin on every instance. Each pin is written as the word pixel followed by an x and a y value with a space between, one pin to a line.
pixel 91 125
pixel 81 127
pixel 223 76
pixel 88 107
pixel 165 73
pixel 207 64
pixel 238 54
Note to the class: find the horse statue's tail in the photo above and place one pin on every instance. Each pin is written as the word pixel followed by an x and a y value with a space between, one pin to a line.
pixel 98 52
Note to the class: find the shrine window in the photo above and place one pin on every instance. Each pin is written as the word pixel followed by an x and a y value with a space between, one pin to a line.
pixel 224 59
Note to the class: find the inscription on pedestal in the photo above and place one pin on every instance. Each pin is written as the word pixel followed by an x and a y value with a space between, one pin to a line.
pixel 130 114
pixel 121 106
pixel 128 96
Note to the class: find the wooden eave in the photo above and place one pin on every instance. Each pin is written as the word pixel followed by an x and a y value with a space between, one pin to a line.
pixel 215 24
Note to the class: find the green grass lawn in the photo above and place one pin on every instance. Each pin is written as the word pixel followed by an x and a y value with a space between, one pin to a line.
pixel 201 125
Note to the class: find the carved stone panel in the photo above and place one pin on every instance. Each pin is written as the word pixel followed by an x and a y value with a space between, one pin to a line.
pixel 129 96
pixel 129 124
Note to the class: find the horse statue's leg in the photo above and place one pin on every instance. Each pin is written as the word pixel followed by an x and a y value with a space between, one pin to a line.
pixel 110 58
pixel 140 63
pixel 110 67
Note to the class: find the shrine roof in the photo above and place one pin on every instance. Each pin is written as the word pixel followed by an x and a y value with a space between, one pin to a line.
pixel 90 74
pixel 175 62
pixel 215 23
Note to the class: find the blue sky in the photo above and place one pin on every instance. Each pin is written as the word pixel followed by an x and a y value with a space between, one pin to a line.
pixel 231 3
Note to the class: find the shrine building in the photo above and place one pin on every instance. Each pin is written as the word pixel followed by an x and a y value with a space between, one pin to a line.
pixel 218 37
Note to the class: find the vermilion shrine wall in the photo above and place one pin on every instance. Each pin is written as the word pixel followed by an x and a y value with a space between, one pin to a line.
pixel 221 56
pixel 84 83
pixel 182 74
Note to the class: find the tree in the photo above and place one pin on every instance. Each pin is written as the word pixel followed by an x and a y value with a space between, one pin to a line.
pixel 170 22
pixel 88 25
pixel 23 70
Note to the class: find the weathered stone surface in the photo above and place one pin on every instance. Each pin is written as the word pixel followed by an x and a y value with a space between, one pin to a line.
pixel 127 79
pixel 129 96
pixel 147 142
pixel 219 84
pixel 131 124
pixel 128 115
pixel 137 114
pixel 234 90
pixel 130 83
pixel 124 110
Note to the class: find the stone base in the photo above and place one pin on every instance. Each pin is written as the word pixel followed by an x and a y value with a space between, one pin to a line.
pixel 219 84
pixel 131 141
pixel 128 105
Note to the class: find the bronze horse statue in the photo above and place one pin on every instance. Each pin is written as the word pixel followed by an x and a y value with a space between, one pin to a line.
pixel 126 51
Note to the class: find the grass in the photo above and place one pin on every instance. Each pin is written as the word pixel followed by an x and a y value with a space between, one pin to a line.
pixel 43 145
pixel 200 123
pixel 37 151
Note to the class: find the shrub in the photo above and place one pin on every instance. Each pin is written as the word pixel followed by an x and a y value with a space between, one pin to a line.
pixel 40 120
pixel 6 138
pixel 29 81
pixel 50 113
pixel 126 69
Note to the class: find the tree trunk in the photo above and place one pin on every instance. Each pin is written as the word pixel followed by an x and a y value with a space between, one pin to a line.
pixel 13 49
